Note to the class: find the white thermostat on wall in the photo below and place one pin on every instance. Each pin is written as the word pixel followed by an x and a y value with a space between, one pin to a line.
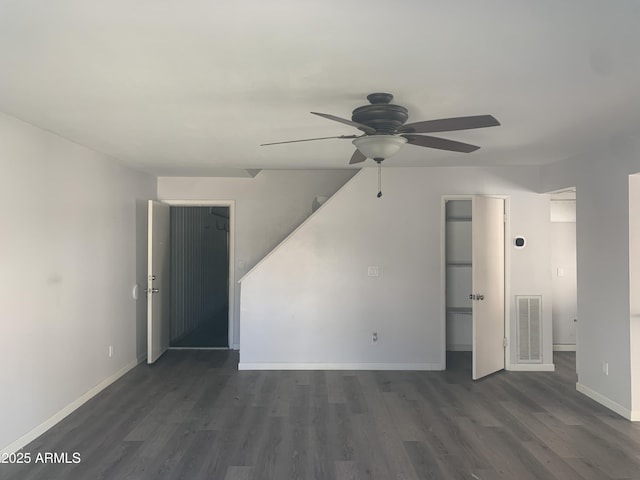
pixel 519 242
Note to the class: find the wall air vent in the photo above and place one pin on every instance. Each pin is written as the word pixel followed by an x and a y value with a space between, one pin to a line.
pixel 529 324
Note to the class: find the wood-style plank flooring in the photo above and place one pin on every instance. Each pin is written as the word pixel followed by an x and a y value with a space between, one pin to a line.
pixel 194 416
pixel 214 332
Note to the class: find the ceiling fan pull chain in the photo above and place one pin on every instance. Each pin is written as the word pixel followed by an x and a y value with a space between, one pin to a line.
pixel 379 179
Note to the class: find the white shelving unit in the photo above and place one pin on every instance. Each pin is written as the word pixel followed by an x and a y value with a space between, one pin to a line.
pixel 458 274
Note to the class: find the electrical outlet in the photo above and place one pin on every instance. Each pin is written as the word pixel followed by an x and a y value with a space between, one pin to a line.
pixel 373 271
pixel 374 337
pixel 110 351
pixel 605 368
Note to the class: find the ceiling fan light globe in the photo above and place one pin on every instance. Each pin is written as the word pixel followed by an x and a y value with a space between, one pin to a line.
pixel 379 146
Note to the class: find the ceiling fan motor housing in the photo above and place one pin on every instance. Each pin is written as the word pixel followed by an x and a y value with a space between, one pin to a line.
pixel 381 115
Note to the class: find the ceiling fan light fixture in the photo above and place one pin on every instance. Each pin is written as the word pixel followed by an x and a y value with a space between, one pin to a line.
pixel 379 146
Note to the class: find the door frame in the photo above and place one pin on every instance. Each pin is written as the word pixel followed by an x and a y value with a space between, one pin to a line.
pixel 231 204
pixel 443 273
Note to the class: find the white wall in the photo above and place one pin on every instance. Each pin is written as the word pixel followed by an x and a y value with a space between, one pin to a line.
pixel 68 265
pixel 601 178
pixel 311 301
pixel 530 271
pixel 268 207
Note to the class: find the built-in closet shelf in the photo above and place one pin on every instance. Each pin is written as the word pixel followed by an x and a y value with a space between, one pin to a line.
pixel 468 310
pixel 458 260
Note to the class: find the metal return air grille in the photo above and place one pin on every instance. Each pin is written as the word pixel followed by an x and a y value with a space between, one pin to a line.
pixel 529 318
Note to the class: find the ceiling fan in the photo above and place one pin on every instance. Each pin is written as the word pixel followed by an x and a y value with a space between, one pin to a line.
pixel 385 131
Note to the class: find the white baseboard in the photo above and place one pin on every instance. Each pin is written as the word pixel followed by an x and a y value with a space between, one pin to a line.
pixel 339 366
pixel 532 367
pixel 564 348
pixel 634 416
pixel 57 417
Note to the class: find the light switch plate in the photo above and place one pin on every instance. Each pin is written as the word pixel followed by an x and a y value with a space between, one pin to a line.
pixel 373 271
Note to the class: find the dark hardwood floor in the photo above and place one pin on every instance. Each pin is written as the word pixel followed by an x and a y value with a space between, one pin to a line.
pixel 194 416
pixel 212 333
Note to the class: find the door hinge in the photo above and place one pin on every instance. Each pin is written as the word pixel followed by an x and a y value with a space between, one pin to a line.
pixel 505 343
pixel 504 218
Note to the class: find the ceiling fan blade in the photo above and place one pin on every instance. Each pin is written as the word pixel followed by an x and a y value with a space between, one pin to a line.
pixel 357 157
pixel 308 140
pixel 361 126
pixel 440 143
pixel 450 124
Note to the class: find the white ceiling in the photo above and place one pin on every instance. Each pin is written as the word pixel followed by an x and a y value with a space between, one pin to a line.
pixel 192 87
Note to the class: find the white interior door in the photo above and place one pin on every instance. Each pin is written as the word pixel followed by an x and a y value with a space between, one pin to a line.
pixel 158 281
pixel 487 285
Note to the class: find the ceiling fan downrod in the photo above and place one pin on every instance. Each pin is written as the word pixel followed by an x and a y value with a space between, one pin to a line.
pixel 379 162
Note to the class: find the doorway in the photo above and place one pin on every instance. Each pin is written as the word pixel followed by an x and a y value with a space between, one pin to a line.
pixel 199 266
pixel 474 283
pixel 458 276
pixel 563 269
pixel 459 328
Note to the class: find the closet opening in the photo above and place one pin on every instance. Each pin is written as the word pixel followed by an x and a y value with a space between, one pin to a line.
pixel 473 257
pixel 459 308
